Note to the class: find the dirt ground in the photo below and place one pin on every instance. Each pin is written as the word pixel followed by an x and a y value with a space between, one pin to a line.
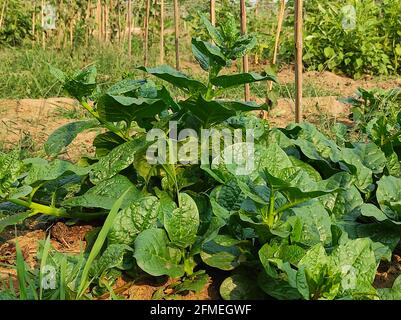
pixel 28 123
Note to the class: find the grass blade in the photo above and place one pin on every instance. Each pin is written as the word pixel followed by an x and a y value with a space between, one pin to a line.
pixel 21 273
pixel 97 246
pixel 43 261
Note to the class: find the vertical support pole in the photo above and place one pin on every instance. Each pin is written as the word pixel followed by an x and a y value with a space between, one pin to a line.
pixel 213 12
pixel 161 31
pixel 129 18
pixel 43 22
pixel 298 62
pixel 177 34
pixel 245 62
pixel 146 30
pixel 277 41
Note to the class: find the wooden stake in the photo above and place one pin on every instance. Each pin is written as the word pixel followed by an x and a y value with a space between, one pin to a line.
pixel 213 12
pixel 247 92
pixel 129 29
pixel 177 34
pixel 3 10
pixel 278 32
pixel 161 31
pixel 99 20
pixel 43 20
pixel 298 62
pixel 146 29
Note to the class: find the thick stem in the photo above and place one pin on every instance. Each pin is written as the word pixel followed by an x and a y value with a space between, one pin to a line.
pixel 271 215
pixel 40 208
pixel 108 125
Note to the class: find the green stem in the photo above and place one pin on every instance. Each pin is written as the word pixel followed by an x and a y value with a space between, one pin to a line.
pixel 290 205
pixel 55 212
pixel 108 125
pixel 40 208
pixel 271 215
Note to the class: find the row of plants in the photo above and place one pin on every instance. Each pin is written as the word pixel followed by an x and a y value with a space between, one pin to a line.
pixel 312 220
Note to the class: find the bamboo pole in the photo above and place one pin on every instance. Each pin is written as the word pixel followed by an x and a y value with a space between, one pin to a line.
pixel 3 10
pixel 213 12
pixel 99 20
pixel 146 30
pixel 33 23
pixel 42 21
pixel 298 63
pixel 177 34
pixel 129 18
pixel 161 31
pixel 245 62
pixel 278 33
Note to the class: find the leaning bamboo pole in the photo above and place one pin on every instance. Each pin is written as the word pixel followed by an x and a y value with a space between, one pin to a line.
pixel 146 30
pixel 298 62
pixel 280 19
pixel 213 12
pixel 129 18
pixel 177 34
pixel 245 62
pixel 161 31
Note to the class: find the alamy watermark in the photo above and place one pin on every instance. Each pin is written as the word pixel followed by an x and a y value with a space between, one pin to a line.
pixel 234 148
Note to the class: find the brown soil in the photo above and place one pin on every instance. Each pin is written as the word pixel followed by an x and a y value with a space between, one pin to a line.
pixel 29 122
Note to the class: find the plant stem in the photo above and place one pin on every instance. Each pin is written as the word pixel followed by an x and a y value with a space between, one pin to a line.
pixel 55 212
pixel 40 208
pixel 108 125
pixel 271 214
pixel 290 205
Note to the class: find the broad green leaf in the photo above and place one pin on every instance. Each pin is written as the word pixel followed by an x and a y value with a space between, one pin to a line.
pixel 82 84
pixel 357 263
pixel 105 142
pixel 196 283
pixel 105 194
pixel 10 170
pixel 178 79
pixel 13 219
pixel 183 222
pixel 393 293
pixel 342 203
pixel 42 170
pixel 64 135
pixel 240 287
pixel 115 256
pixel 97 246
pixel 316 225
pixel 140 215
pixel 155 256
pixel 227 81
pixel 362 174
pixel 389 196
pixel 116 160
pixel 216 36
pixel 209 56
pixel 371 156
pixel 115 108
pixel 277 288
pixel 384 232
pixel 220 254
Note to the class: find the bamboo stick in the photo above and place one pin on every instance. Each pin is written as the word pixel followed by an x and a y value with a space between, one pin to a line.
pixel 161 31
pixel 42 21
pixel 3 10
pixel 213 12
pixel 298 63
pixel 278 33
pixel 129 18
pixel 245 62
pixel 146 30
pixel 177 34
